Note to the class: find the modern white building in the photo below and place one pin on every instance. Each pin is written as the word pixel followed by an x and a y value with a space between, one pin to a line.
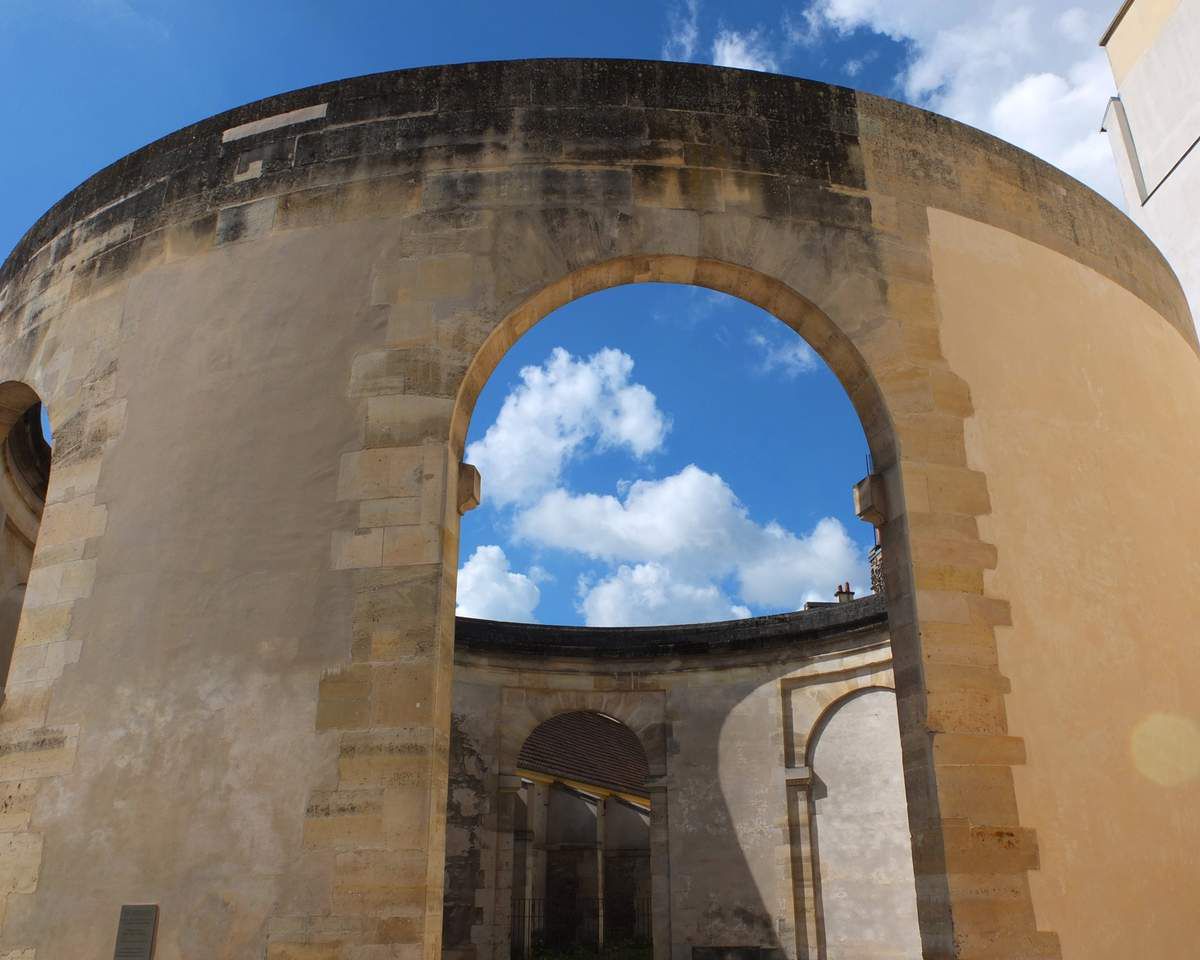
pixel 1153 47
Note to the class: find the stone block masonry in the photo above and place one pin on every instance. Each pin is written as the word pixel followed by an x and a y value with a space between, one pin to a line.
pixel 231 691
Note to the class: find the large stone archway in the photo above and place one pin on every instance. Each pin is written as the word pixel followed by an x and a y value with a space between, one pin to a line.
pixel 268 603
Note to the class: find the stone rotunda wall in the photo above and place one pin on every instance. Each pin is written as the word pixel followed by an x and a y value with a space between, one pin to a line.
pixel 261 339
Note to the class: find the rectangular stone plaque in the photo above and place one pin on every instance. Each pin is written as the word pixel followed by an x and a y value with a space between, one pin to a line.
pixel 135 932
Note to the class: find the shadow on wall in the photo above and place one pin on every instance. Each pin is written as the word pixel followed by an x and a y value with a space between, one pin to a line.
pixel 24 480
pixel 467 808
pixel 724 804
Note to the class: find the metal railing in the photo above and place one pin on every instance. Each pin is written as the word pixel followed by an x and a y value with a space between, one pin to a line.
pixel 528 927
pixel 578 924
pixel 875 559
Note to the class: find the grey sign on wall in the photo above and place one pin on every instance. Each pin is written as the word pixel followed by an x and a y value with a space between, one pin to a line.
pixel 135 932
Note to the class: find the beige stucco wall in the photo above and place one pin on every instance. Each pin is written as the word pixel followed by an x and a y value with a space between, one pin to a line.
pixel 1136 32
pixel 1071 420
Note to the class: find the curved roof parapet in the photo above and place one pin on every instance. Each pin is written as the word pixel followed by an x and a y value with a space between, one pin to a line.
pixel 189 189
pixel 689 639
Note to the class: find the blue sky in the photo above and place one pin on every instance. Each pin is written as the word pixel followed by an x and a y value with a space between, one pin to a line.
pixel 668 454
pixel 663 429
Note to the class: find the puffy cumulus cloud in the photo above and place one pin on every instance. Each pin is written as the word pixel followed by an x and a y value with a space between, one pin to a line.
pixel 683 31
pixel 560 409
pixel 748 50
pixel 785 570
pixel 488 589
pixel 1029 73
pixel 690 512
pixel 678 538
pixel 649 593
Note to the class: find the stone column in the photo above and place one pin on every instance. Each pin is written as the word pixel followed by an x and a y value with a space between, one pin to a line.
pixel 660 867
pixel 522 870
pixel 508 786
pixel 806 876
pixel 539 807
pixel 601 831
pixel 390 706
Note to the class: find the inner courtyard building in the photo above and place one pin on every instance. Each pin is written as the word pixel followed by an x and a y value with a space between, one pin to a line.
pixel 715 789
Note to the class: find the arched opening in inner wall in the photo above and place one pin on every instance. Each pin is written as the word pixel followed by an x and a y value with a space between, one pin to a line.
pixel 863 881
pixel 24 480
pixel 581 839
pixel 736 624
pixel 662 453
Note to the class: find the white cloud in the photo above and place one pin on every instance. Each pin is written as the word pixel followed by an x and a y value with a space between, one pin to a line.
pixel 562 409
pixel 683 31
pixel 678 549
pixel 1031 74
pixel 1077 26
pixel 784 570
pixel 648 594
pixel 748 51
pixel 803 30
pixel 788 355
pixel 488 589
pixel 539 574
pixel 680 537
pixel 688 511
pixel 854 66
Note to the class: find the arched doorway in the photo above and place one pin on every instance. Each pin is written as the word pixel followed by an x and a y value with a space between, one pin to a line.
pixel 581 839
pixel 864 894
pixel 24 480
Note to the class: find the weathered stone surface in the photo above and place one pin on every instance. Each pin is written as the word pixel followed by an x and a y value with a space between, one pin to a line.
pixel 261 338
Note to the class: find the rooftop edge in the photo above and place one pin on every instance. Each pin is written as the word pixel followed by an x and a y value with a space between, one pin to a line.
pixel 692 639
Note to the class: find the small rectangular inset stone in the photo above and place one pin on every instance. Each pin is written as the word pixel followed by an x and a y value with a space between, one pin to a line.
pixel 302 115
pixel 252 172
